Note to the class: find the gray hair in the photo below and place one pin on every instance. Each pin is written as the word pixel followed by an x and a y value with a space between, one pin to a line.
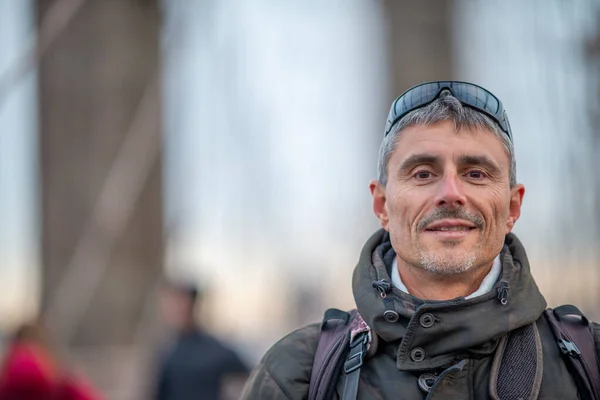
pixel 444 108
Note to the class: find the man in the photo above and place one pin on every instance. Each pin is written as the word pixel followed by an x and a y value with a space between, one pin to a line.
pixel 197 365
pixel 445 281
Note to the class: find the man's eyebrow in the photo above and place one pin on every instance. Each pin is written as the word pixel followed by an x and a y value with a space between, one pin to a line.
pixel 484 161
pixel 418 159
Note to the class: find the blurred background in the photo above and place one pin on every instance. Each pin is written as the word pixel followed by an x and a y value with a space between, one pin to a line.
pixel 231 143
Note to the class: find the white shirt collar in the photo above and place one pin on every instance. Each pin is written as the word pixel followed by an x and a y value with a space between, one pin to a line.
pixel 486 285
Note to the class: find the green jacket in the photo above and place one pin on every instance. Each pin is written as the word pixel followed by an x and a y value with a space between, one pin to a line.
pixel 467 330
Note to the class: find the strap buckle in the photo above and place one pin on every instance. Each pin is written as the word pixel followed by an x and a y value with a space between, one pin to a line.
pixel 353 363
pixel 568 347
pixel 357 351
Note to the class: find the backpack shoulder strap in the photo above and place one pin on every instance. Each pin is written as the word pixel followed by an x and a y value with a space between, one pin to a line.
pixel 343 343
pixel 517 368
pixel 575 338
pixel 333 345
pixel 596 330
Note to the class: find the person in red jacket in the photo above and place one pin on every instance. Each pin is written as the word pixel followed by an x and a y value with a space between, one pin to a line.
pixel 31 371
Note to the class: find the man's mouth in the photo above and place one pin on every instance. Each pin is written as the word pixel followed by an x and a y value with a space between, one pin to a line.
pixel 450 224
pixel 452 227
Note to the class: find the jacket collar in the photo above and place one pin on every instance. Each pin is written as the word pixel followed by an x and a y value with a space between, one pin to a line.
pixel 462 328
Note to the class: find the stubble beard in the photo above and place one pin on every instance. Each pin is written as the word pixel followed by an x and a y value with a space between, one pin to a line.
pixel 447 261
pixel 443 262
pixel 446 266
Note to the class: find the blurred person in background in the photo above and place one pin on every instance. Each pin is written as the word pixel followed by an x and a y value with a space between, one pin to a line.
pixel 196 365
pixel 447 307
pixel 31 370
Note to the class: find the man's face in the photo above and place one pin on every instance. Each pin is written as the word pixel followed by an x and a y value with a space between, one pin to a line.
pixel 177 308
pixel 448 202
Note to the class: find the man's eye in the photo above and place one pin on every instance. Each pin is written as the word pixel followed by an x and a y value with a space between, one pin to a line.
pixel 423 175
pixel 475 174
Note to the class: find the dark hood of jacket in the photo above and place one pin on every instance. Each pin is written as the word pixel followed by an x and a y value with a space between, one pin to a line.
pixel 462 328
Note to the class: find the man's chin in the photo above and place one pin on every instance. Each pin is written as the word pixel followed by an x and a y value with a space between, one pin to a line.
pixel 447 262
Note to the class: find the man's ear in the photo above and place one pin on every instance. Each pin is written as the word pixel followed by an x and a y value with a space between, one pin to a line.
pixel 514 211
pixel 379 203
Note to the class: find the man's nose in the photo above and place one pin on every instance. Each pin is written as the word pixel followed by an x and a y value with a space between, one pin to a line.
pixel 451 192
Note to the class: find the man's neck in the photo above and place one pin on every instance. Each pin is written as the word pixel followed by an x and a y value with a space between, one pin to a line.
pixel 429 286
pixel 187 328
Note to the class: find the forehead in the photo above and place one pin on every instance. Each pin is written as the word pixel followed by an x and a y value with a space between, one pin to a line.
pixel 444 141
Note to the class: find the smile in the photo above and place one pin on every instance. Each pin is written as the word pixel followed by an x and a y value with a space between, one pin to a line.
pixel 450 232
pixel 450 225
pixel 451 228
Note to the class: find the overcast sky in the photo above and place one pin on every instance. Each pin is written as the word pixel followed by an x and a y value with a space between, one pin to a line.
pixel 18 169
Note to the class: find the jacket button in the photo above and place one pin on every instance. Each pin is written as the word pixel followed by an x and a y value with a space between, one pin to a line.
pixel 427 320
pixel 391 316
pixel 426 382
pixel 417 354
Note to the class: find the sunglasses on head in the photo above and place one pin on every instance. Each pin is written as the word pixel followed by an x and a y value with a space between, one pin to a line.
pixel 468 94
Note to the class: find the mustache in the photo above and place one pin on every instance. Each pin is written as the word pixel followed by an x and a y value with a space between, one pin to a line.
pixel 445 213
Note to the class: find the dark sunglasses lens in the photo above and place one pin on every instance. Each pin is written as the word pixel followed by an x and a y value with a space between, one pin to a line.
pixel 470 95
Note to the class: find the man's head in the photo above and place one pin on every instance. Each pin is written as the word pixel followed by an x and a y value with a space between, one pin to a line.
pixel 447 190
pixel 178 302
